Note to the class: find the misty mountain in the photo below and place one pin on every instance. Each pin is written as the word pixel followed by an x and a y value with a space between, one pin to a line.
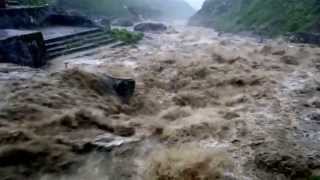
pixel 155 9
pixel 270 17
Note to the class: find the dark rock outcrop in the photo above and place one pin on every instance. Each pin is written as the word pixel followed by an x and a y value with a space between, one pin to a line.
pixel 33 17
pixel 150 27
pixel 124 88
pixel 22 47
pixel 23 17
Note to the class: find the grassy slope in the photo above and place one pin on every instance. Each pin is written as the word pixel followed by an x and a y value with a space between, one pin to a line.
pixel 271 17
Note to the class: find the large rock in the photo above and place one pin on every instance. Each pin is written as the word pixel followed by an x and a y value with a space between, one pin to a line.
pixel 125 22
pixel 124 88
pixel 150 27
pixel 103 22
pixel 22 47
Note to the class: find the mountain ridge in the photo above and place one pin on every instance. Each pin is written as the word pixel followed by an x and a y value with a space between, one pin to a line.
pixel 270 17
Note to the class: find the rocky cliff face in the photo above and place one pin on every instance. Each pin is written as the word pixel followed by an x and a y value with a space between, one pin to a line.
pixel 270 17
pixel 115 8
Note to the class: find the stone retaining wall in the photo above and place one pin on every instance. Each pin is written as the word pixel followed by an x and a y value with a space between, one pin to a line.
pixel 22 47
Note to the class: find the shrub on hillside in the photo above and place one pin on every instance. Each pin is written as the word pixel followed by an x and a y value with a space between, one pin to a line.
pixel 127 36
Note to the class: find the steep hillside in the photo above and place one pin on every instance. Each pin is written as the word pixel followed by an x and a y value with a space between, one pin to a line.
pixel 119 8
pixel 270 17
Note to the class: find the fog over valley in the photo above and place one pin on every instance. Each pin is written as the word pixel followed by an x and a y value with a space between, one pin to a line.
pixel 196 4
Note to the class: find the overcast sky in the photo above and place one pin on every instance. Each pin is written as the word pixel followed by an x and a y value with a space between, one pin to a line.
pixel 195 3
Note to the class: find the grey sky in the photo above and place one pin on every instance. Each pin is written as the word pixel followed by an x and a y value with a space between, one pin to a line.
pixel 195 3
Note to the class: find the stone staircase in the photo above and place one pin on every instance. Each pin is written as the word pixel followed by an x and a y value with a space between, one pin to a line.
pixel 82 41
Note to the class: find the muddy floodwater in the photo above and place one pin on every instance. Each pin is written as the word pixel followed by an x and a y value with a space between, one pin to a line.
pixel 207 106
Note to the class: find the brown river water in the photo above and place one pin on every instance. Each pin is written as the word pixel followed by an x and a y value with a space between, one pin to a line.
pixel 207 106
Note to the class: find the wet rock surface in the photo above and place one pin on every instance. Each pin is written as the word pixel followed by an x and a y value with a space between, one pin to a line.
pixel 150 27
pixel 125 22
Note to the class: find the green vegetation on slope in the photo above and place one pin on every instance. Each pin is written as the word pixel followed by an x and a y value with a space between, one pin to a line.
pixel 127 36
pixel 119 8
pixel 271 17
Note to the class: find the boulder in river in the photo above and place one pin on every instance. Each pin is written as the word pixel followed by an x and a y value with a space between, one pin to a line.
pixel 150 27
pixel 124 88
pixel 125 22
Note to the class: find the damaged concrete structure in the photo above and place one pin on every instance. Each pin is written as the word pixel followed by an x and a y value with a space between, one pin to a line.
pixel 32 35
pixel 22 47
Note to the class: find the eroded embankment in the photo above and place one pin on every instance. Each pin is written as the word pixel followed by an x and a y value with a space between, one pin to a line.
pixel 205 107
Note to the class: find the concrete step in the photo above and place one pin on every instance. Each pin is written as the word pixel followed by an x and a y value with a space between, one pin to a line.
pixel 61 38
pixel 76 42
pixel 13 3
pixel 75 39
pixel 79 42
pixel 94 51
pixel 82 47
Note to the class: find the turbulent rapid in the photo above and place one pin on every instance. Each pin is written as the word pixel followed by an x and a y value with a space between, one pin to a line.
pixel 207 106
